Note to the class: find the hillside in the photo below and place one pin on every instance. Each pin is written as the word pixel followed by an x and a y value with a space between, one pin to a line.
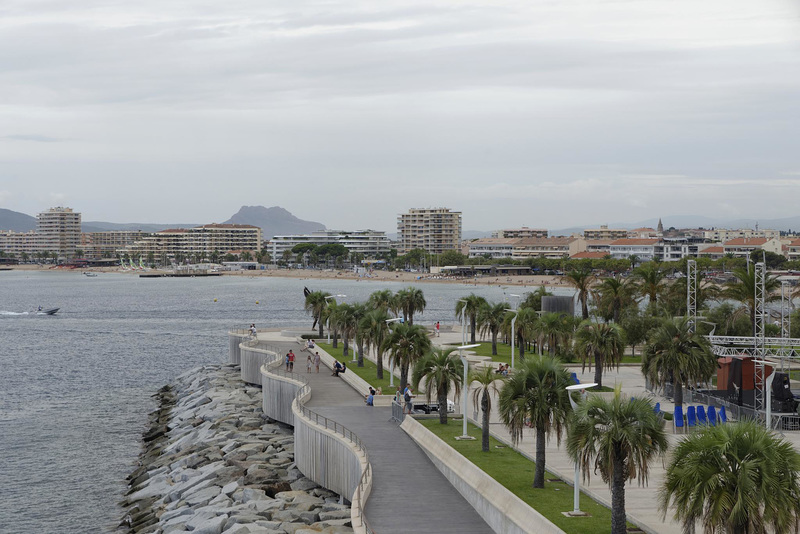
pixel 16 221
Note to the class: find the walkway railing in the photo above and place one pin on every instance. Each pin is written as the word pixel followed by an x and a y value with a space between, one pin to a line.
pixel 272 365
pixel 397 412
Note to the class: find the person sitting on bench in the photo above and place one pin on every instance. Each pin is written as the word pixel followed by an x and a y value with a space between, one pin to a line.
pixel 339 368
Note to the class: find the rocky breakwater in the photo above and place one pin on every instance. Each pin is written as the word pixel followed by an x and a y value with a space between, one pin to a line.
pixel 213 464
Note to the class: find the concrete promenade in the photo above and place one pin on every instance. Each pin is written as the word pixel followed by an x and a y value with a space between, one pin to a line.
pixel 409 494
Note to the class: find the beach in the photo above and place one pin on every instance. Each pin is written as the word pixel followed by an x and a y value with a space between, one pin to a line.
pixel 337 274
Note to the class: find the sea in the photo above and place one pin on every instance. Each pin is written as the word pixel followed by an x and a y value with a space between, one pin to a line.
pixel 76 387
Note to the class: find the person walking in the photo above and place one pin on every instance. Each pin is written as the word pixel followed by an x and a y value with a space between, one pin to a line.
pixel 437 328
pixel 316 360
pixel 308 364
pixel 291 361
pixel 408 396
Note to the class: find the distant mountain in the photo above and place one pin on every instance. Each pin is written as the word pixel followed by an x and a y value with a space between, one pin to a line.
pixel 99 226
pixel 16 221
pixel 273 221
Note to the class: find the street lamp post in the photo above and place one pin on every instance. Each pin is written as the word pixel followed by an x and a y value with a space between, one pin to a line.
pixel 391 368
pixel 513 333
pixel 463 324
pixel 465 363
pixel 332 297
pixel 576 496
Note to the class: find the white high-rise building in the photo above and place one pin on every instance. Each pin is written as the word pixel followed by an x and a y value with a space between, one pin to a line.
pixel 60 231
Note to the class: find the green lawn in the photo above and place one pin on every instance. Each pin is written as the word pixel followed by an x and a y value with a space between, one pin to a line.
pixel 515 472
pixel 369 372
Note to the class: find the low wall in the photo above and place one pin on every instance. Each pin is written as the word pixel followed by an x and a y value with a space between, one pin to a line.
pixel 279 392
pixel 235 338
pixel 251 360
pixel 502 510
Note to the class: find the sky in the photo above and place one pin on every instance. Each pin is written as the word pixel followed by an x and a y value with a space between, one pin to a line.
pixel 539 113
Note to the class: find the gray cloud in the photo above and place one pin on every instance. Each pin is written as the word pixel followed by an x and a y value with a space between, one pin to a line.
pixel 543 113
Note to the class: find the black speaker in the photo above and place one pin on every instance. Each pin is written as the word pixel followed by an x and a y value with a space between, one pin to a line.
pixel 781 389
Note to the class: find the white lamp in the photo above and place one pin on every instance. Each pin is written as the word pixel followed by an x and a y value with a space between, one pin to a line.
pixel 576 497
pixel 466 389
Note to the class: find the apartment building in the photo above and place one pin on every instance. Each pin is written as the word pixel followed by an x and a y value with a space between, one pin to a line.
pixel 723 234
pixel 60 231
pixel 743 246
pixel 550 247
pixel 202 240
pixel 644 249
pixel 491 247
pixel 368 243
pixel 604 232
pixel 521 233
pixel 434 230
pixel 97 245
pixel 19 243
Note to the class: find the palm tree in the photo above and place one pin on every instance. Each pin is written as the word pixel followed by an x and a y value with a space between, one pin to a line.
pixel 486 385
pixel 360 309
pixel 534 299
pixel 600 343
pixel 650 281
pixel 619 438
pixel 553 329
pixel 675 353
pixel 582 282
pixel 739 478
pixel 467 309
pixel 346 322
pixel 490 321
pixel 410 301
pixel 611 296
pixel 439 371
pixel 374 328
pixel 315 305
pixel 523 326
pixel 384 300
pixel 743 289
pixel 536 394
pixel 406 343
pixel 331 315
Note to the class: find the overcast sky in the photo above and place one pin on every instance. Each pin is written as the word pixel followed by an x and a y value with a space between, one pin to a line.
pixel 542 113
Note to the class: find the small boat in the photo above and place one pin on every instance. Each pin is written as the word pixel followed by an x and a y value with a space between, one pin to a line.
pixel 50 311
pixel 90 274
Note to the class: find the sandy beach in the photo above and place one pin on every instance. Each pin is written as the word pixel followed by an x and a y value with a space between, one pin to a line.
pixel 375 276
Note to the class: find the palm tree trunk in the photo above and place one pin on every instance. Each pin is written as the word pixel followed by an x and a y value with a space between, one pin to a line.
pixel 538 477
pixel 618 521
pixel 379 357
pixel 360 345
pixel 441 396
pixel 494 343
pixel 344 349
pixel 320 327
pixel 403 376
pixel 598 370
pixel 472 329
pixel 584 308
pixel 335 339
pixel 677 395
pixel 485 421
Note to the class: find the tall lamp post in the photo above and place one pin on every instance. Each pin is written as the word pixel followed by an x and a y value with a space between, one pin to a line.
pixel 332 297
pixel 465 363
pixel 463 324
pixel 391 368
pixel 513 333
pixel 767 385
pixel 576 497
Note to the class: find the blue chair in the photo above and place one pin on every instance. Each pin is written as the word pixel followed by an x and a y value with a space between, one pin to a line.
pixel 701 415
pixel 678 417
pixel 574 378
pixel 723 417
pixel 657 408
pixel 691 419
pixel 712 416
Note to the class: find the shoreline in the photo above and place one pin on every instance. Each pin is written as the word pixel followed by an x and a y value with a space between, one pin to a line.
pixel 310 274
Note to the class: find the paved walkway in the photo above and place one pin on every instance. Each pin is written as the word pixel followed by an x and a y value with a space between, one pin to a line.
pixel 409 494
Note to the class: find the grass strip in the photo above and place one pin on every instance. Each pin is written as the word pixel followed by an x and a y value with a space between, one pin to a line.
pixel 515 472
pixel 369 372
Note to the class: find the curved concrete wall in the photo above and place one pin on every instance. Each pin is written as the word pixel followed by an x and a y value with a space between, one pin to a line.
pixel 252 358
pixel 502 510
pixel 235 338
pixel 279 392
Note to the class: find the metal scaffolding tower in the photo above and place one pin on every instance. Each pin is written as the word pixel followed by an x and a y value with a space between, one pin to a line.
pixel 691 294
pixel 759 298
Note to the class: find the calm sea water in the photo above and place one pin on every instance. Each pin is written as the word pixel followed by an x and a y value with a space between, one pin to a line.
pixel 75 388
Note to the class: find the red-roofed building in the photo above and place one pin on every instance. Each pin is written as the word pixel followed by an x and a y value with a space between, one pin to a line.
pixel 743 246
pixel 714 251
pixel 793 250
pixel 589 256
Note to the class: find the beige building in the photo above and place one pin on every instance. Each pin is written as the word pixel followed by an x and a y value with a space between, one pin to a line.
pixel 434 230
pixel 97 245
pixel 199 241
pixel 491 247
pixel 723 234
pixel 604 232
pixel 60 231
pixel 743 246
